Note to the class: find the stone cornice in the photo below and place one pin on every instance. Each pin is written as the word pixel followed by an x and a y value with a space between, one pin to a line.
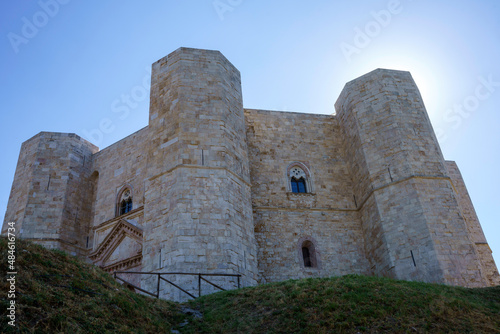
pixel 289 193
pixel 129 215
pixel 283 208
pixel 201 167
pixel 124 264
pixel 404 179
pixel 114 237
pixel 359 207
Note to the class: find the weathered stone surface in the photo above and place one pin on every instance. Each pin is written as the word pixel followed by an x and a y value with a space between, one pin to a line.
pixel 413 223
pixel 327 214
pixel 211 191
pixel 52 191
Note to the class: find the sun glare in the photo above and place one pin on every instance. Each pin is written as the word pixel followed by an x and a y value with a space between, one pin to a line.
pixel 423 72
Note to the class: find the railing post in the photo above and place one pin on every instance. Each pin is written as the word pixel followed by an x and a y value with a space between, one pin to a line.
pixel 158 288
pixel 199 285
pixel 159 274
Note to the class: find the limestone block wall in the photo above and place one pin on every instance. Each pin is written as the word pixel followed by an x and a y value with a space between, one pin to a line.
pixel 412 225
pixel 211 187
pixel 123 164
pixel 277 139
pixel 18 198
pixel 327 215
pixel 474 229
pixel 56 212
pixel 455 250
pixel 197 215
pixel 336 235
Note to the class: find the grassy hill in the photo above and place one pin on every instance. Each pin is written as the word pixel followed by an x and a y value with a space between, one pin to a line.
pixel 56 293
pixel 350 304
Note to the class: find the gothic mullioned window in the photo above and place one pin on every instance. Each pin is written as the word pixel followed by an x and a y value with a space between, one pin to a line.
pixel 298 186
pixel 125 202
pixel 298 180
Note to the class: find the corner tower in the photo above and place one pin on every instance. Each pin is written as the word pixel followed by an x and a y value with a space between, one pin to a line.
pixel 412 222
pixel 198 214
pixel 50 200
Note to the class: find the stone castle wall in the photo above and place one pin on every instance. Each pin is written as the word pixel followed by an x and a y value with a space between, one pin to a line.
pixel 210 183
pixel 51 194
pixel 121 164
pixel 198 213
pixel 283 220
pixel 407 194
pixel 18 199
pixel 475 232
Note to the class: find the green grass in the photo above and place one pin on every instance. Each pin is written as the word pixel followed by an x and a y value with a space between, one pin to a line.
pixel 350 304
pixel 59 294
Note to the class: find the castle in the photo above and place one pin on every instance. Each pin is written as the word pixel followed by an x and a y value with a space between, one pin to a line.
pixel 209 186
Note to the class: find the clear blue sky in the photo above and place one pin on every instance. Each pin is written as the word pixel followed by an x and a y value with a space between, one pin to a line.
pixel 65 68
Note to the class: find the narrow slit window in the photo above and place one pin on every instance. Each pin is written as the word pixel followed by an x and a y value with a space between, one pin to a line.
pixel 307 257
pixel 309 254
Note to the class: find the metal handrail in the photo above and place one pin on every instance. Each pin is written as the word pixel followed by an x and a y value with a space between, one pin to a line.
pixel 159 274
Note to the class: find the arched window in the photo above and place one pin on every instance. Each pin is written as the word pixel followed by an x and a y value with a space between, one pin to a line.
pixel 125 202
pixel 298 186
pixel 309 254
pixel 298 180
pixel 307 257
